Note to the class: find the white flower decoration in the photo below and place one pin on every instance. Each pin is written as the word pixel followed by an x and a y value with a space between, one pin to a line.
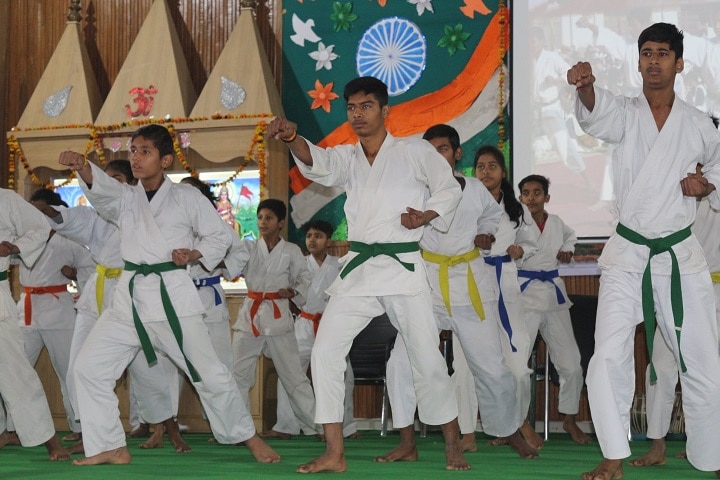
pixel 422 5
pixel 324 56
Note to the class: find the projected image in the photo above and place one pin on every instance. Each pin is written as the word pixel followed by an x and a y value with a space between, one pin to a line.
pixel 549 37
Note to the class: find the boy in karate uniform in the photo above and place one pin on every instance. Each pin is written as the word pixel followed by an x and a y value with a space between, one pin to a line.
pixel 653 267
pixel 23 232
pixel 156 304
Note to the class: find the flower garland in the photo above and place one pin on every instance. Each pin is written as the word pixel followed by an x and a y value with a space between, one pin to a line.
pixel 256 149
pixel 502 49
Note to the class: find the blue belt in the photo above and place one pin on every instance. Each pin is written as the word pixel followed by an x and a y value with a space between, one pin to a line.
pixel 543 276
pixel 210 282
pixel 497 261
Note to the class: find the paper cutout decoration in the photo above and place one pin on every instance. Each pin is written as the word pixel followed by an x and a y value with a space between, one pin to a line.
pixel 323 56
pixel 303 31
pixel 56 103
pixel 393 50
pixel 232 94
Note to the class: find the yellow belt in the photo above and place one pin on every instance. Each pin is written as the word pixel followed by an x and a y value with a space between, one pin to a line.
pixel 715 277
pixel 445 262
pixel 103 273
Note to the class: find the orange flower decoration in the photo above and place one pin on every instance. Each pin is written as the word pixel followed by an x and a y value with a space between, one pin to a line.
pixel 322 95
pixel 382 2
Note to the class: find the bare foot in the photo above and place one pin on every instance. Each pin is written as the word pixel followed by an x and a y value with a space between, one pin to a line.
pixel 77 448
pixel 607 470
pixel 118 456
pixel 275 434
pixel 571 427
pixel 55 449
pixel 327 462
pixel 520 445
pixel 531 436
pixel 655 456
pixel 261 450
pixel 7 438
pixel 498 442
pixel 172 428
pixel 717 473
pixel 468 443
pixel 141 432
pixel 157 440
pixel 73 437
pixel 401 453
pixel 455 460
pixel 355 435
pixel 682 454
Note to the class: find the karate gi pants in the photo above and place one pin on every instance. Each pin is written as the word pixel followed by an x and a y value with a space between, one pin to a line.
pixel 286 420
pixel 494 384
pixel 20 387
pixel 110 348
pixel 345 317
pixel 611 374
pixel 557 333
pixel 283 349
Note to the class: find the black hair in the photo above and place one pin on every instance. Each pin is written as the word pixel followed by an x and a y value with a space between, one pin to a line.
pixel 513 207
pixel 715 120
pixel 159 136
pixel 202 186
pixel 543 181
pixel 276 206
pixel 369 86
pixel 320 225
pixel 123 167
pixel 48 196
pixel 663 33
pixel 443 131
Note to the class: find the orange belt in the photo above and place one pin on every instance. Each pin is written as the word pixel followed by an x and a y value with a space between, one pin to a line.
pixel 257 298
pixel 29 291
pixel 314 318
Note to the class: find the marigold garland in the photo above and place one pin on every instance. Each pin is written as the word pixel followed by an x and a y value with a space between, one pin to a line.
pixel 502 49
pixel 256 149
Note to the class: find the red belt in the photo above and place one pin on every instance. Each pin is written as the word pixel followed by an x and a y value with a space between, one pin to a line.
pixel 314 318
pixel 257 298
pixel 29 291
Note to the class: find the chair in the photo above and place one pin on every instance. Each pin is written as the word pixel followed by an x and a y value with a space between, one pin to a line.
pixel 369 355
pixel 582 315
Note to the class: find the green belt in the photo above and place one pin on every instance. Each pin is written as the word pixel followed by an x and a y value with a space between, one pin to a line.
pixel 158 268
pixel 3 275
pixel 657 246
pixel 366 251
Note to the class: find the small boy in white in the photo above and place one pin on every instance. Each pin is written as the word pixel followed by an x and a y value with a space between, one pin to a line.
pixel 276 272
pixel 545 300
pixel 324 269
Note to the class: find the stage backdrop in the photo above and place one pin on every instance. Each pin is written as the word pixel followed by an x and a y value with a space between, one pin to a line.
pixel 440 60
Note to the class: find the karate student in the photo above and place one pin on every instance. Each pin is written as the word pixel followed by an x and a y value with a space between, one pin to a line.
pixel 660 139
pixel 394 186
pixel 324 268
pixel 156 305
pixel 660 395
pixel 46 307
pixel 514 242
pixel 276 272
pixel 23 232
pixel 547 306
pixel 464 295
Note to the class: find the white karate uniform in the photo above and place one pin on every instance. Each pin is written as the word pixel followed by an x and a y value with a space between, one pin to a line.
pixel 23 225
pixel 647 168
pixel 405 173
pixel 522 234
pixel 52 314
pixel 545 313
pixel 267 272
pixel 477 213
pixel 661 395
pixel 149 231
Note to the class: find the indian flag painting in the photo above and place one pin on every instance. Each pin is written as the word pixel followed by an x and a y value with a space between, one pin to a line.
pixel 442 61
